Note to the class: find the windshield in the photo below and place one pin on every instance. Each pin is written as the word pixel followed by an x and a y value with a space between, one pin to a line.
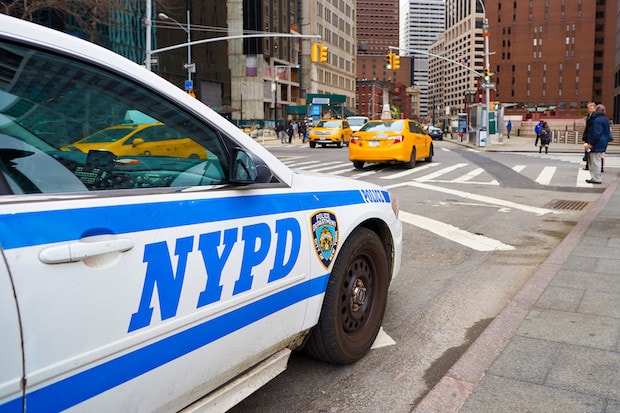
pixel 357 121
pixel 333 124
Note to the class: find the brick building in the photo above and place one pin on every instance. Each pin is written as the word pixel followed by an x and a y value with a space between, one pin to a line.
pixel 552 57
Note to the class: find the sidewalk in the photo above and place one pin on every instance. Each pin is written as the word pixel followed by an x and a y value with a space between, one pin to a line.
pixel 555 347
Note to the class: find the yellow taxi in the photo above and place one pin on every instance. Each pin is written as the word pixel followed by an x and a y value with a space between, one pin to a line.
pixel 390 141
pixel 154 139
pixel 330 132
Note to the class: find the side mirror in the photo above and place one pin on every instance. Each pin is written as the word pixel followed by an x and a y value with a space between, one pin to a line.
pixel 247 170
pixel 137 141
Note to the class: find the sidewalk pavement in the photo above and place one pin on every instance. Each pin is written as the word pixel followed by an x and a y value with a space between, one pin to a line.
pixel 555 347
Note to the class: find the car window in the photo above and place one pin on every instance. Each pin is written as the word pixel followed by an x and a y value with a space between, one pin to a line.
pixel 415 128
pixel 64 124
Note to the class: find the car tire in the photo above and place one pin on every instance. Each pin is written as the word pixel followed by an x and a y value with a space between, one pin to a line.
pixel 312 144
pixel 411 163
pixel 429 158
pixel 354 302
pixel 340 142
pixel 358 164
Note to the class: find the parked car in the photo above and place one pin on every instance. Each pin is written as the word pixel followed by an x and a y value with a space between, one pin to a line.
pixel 392 141
pixel 434 132
pixel 330 132
pixel 133 282
pixel 356 122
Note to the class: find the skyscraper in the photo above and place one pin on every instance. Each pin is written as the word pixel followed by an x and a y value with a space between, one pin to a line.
pixel 421 23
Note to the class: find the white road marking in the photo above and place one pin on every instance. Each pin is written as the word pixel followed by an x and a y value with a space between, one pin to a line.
pixel 440 172
pixel 382 340
pixel 582 175
pixel 518 168
pixel 479 198
pixel 544 178
pixel 320 166
pixel 410 171
pixel 469 176
pixel 452 233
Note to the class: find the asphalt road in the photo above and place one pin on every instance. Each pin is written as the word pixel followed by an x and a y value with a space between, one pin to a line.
pixel 476 226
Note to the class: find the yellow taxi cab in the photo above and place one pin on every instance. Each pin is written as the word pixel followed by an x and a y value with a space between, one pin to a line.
pixel 390 141
pixel 329 132
pixel 146 139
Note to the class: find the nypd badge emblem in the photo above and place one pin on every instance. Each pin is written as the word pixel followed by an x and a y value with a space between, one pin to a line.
pixel 325 231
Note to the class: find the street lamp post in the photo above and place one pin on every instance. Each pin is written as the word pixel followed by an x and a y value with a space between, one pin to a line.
pixel 191 67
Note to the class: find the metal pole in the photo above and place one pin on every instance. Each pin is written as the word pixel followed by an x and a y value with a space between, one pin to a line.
pixel 485 28
pixel 189 49
pixel 149 26
pixel 275 102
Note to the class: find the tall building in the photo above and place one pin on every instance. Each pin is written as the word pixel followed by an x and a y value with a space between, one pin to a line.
pixel 334 21
pixel 377 34
pixel 553 57
pixel 455 76
pixel 421 23
pixel 264 70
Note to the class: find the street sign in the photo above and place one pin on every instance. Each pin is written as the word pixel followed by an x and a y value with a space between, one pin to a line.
pixel 189 85
pixel 488 85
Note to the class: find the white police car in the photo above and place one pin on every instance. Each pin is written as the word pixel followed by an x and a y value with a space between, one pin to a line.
pixel 149 282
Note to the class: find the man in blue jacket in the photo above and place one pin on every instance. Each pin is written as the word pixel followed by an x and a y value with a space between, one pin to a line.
pixel 598 137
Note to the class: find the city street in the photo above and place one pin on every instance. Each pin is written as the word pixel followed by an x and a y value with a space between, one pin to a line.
pixel 477 225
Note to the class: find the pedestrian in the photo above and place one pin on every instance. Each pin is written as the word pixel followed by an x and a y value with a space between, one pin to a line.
pixel 584 138
pixel 295 128
pixel 545 137
pixel 537 130
pixel 509 127
pixel 289 131
pixel 281 132
pixel 599 136
pixel 302 131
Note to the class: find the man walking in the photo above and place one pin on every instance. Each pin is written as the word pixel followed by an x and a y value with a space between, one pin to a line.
pixel 598 137
pixel 591 107
pixel 509 127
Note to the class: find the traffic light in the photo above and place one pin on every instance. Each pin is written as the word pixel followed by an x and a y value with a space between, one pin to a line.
pixel 389 60
pixel 487 75
pixel 395 61
pixel 323 54
pixel 315 52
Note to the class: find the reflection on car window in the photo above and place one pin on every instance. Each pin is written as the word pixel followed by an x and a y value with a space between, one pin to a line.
pixel 66 126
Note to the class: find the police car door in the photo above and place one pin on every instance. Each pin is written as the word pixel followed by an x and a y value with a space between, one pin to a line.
pixel 142 282
pixel 11 373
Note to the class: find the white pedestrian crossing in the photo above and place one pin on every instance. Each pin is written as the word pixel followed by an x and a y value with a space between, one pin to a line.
pixel 436 172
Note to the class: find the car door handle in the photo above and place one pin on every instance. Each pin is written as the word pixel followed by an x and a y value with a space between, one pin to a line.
pixel 77 251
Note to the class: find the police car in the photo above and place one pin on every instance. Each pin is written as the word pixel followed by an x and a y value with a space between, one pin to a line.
pixel 156 282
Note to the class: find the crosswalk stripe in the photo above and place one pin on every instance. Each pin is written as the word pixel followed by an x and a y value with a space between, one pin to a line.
pixel 544 178
pixel 410 171
pixel 476 197
pixel 469 176
pixel 468 239
pixel 441 172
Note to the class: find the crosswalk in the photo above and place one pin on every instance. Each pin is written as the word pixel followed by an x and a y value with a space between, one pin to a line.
pixel 569 174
